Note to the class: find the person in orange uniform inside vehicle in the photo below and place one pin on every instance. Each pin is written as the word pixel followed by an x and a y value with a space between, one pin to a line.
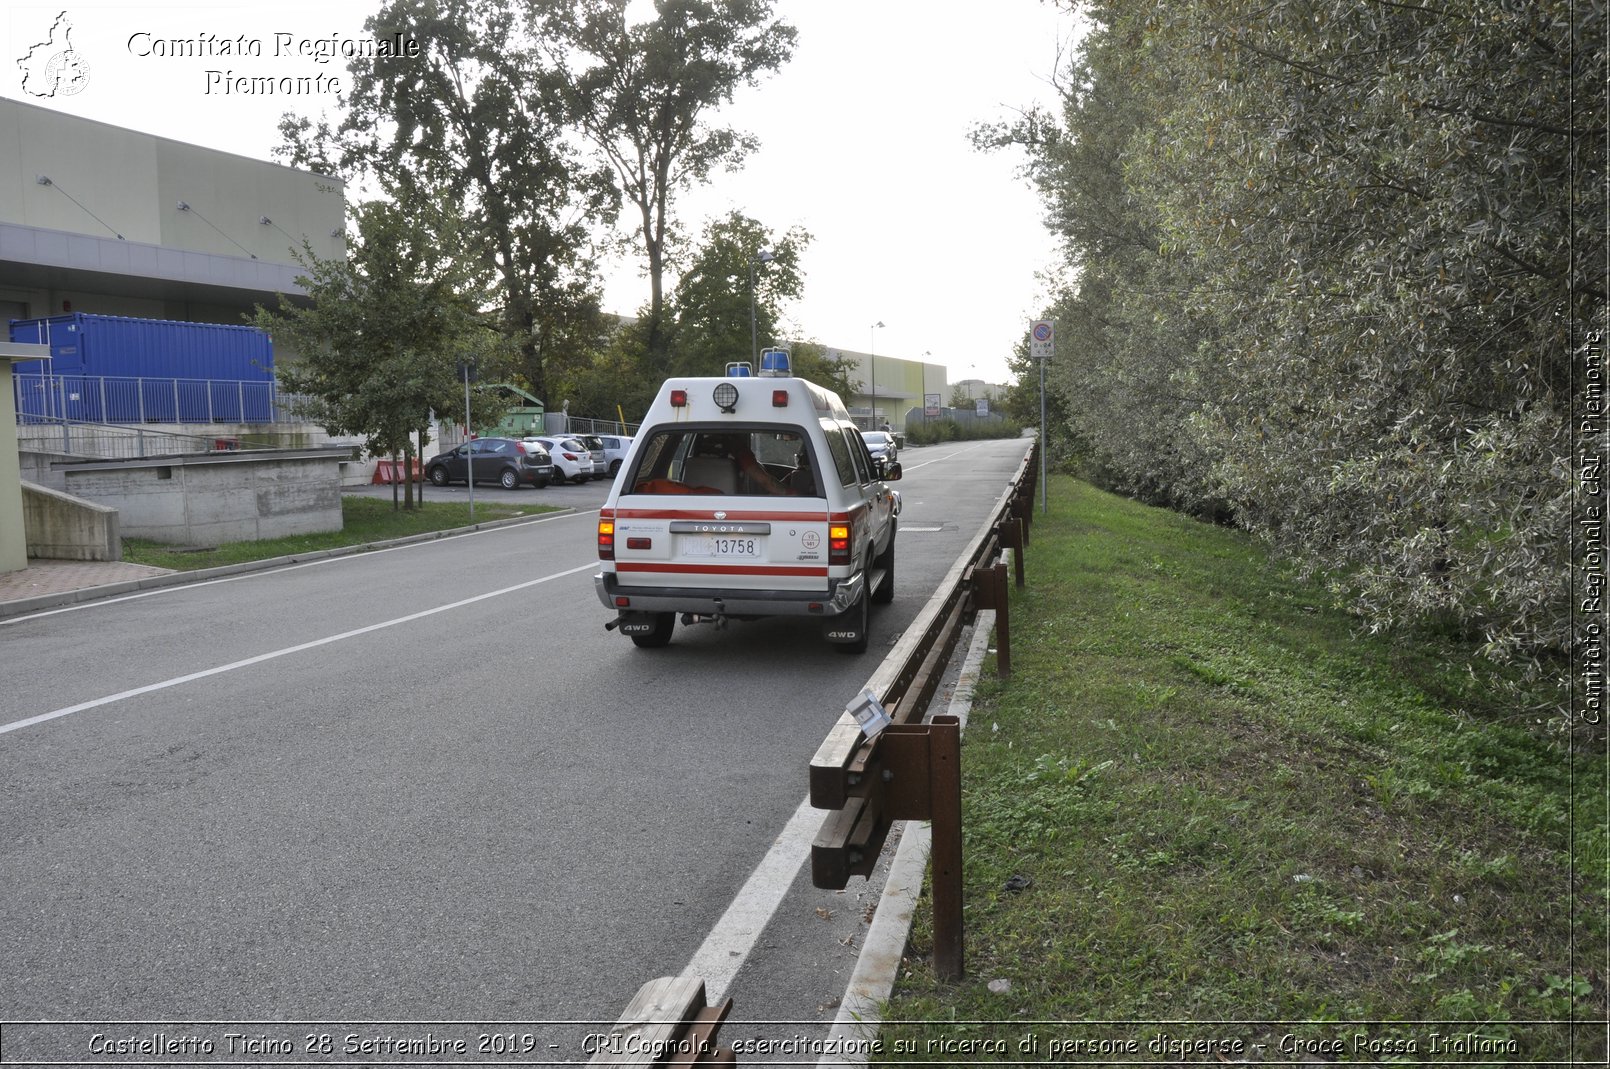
pixel 736 446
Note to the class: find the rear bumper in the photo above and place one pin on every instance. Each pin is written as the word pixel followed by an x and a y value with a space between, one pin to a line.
pixel 708 601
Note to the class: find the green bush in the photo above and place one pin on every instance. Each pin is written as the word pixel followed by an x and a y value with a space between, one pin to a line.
pixel 949 430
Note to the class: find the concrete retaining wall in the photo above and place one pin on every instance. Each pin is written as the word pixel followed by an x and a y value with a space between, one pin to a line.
pixel 208 499
pixel 62 527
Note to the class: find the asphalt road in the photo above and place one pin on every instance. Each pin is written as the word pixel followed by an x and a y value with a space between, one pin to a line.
pixel 424 784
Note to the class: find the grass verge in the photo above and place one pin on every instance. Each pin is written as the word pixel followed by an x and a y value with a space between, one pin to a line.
pixel 364 520
pixel 1251 830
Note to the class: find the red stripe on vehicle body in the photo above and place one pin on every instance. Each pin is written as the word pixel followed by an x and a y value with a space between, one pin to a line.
pixel 721 569
pixel 705 515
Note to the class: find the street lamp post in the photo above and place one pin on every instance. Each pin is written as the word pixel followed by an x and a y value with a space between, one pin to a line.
pixel 761 256
pixel 872 362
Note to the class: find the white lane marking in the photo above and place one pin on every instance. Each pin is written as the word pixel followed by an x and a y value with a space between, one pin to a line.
pixel 935 460
pixel 286 652
pixel 278 569
pixel 727 946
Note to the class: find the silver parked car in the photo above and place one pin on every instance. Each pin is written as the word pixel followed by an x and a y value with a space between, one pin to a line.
pixel 615 447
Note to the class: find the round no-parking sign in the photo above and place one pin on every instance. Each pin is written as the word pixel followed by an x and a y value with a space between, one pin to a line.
pixel 1041 339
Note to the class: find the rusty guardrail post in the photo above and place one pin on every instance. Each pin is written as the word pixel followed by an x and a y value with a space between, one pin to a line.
pixel 1003 621
pixel 945 813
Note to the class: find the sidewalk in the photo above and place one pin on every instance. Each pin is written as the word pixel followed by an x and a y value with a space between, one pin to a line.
pixel 42 578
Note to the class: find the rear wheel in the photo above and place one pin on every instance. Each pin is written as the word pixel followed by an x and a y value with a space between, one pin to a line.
pixel 509 479
pixel 664 623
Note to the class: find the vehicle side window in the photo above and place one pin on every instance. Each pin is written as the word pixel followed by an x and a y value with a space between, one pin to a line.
pixel 858 450
pixel 654 459
pixel 843 465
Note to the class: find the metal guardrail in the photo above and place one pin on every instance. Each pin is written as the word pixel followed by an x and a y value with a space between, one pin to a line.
pixel 909 770
pixel 667 1024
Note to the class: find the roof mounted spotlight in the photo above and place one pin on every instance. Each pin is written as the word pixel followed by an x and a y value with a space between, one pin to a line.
pixel 726 397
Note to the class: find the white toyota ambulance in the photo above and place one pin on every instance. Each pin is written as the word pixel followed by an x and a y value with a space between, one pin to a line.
pixel 748 496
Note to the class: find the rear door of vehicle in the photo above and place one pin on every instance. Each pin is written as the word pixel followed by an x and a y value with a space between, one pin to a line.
pixel 667 535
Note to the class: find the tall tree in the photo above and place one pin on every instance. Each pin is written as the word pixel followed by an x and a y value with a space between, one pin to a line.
pixel 1328 259
pixel 380 344
pixel 476 117
pixel 710 310
pixel 642 94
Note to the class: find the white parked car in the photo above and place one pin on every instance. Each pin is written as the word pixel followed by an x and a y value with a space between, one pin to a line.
pixel 615 447
pixel 572 461
pixel 595 446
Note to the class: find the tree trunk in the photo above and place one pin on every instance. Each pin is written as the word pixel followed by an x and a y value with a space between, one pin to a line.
pixel 408 474
pixel 424 439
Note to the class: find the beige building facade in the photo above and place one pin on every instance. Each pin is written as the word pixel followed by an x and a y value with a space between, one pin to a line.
pixel 890 388
pixel 96 218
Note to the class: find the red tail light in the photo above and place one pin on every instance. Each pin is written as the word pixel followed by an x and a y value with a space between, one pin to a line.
pixel 606 539
pixel 779 398
pixel 679 398
pixel 839 541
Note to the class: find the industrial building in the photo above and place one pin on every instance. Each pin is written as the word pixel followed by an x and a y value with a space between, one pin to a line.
pixel 100 224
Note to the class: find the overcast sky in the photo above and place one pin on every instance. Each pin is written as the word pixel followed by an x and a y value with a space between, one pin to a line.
pixel 863 143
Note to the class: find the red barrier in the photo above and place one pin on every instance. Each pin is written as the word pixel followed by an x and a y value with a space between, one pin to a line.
pixel 391 471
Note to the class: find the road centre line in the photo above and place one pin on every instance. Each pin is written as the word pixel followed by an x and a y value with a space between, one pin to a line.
pixel 286 652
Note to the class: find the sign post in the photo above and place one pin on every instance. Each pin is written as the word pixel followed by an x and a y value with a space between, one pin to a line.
pixel 1042 343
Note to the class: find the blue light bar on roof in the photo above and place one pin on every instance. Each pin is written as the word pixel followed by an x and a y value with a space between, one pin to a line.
pixel 774 363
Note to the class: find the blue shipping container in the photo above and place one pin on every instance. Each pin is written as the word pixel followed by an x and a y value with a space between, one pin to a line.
pixel 116 369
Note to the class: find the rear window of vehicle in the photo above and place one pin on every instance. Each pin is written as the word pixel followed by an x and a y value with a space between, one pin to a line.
pixel 678 460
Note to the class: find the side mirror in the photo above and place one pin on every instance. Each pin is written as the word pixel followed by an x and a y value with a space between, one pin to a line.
pixel 891 472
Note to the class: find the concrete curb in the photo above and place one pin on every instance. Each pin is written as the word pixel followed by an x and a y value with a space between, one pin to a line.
pixel 24 606
pixel 855 1029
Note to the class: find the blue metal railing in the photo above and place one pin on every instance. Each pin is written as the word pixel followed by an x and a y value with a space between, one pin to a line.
pixel 112 399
